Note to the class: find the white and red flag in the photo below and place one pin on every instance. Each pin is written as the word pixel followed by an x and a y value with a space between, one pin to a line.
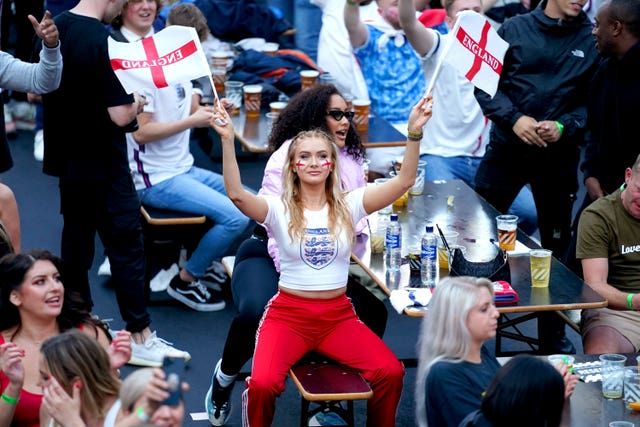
pixel 476 51
pixel 170 56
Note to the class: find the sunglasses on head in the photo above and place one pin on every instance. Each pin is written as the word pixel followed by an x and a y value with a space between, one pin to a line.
pixel 339 114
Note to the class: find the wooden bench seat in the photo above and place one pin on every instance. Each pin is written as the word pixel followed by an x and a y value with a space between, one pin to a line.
pixel 327 384
pixel 166 232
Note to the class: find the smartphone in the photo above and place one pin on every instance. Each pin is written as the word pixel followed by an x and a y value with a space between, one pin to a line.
pixel 174 370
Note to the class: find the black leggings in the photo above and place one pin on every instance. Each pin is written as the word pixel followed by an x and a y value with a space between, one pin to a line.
pixel 254 282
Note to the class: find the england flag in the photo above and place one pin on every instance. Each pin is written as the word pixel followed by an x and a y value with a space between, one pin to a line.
pixel 171 56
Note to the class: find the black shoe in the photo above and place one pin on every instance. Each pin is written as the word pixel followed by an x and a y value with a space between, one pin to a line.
pixel 194 295
pixel 217 401
pixel 215 277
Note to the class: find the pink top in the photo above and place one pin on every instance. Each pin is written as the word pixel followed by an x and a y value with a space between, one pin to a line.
pixel 351 176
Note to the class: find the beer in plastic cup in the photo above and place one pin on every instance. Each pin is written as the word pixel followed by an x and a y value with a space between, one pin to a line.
pixel 270 48
pixel 612 371
pixel 277 107
pixel 507 231
pixel 233 92
pixel 540 267
pixel 252 99
pixel 308 78
pixel 361 118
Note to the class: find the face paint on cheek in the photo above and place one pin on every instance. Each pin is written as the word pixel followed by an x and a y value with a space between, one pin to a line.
pixel 300 164
pixel 326 164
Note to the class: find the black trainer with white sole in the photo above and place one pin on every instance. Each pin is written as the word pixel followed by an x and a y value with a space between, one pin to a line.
pixel 215 277
pixel 194 295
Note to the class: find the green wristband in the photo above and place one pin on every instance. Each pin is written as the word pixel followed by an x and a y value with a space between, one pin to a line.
pixel 352 3
pixel 10 400
pixel 142 415
pixel 630 301
pixel 560 127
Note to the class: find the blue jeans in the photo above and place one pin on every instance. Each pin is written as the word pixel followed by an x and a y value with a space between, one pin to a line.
pixel 200 191
pixel 465 168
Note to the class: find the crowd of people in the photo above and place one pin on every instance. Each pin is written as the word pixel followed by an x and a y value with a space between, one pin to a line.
pixel 519 149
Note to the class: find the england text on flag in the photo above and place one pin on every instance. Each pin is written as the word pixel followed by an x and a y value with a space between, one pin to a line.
pixel 477 51
pixel 171 56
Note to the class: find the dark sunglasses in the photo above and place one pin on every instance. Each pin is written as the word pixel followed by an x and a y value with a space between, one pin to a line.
pixel 339 114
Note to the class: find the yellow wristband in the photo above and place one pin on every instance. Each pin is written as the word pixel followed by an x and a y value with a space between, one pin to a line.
pixel 10 400
pixel 414 136
pixel 630 301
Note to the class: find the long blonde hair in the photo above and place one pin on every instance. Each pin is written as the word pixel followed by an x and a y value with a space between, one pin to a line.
pixel 444 334
pixel 339 213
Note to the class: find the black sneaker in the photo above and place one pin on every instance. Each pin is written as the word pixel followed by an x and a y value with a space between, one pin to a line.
pixel 194 295
pixel 215 276
pixel 217 401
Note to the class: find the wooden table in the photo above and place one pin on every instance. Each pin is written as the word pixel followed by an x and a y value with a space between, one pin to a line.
pixel 253 133
pixel 588 408
pixel 474 219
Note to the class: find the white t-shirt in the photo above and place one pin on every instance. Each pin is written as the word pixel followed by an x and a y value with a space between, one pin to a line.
pixel 318 262
pixel 335 54
pixel 160 160
pixel 458 127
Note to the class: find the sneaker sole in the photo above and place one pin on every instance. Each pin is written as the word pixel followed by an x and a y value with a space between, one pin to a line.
pixel 136 361
pixel 214 421
pixel 194 305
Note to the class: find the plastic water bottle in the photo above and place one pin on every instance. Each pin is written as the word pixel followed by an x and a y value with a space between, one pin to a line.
pixel 393 244
pixel 429 258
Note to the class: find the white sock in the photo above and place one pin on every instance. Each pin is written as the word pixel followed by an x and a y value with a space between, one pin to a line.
pixel 223 379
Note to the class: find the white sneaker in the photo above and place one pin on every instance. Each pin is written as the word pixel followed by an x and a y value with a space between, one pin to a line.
pixel 153 350
pixel 38 146
pixel 105 268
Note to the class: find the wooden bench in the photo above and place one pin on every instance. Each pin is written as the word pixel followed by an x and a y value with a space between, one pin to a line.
pixel 165 233
pixel 322 381
pixel 327 384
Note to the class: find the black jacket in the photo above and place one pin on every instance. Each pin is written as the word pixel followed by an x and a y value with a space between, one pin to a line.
pixel 546 74
pixel 613 112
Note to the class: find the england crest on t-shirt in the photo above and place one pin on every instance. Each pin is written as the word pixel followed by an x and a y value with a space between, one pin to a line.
pixel 318 248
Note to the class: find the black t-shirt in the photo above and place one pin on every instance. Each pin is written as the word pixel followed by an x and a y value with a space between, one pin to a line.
pixel 453 390
pixel 81 141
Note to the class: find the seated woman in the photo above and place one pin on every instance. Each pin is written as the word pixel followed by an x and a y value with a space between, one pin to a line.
pixel 526 392
pixel 34 307
pixel 79 387
pixel 313 223
pixel 257 264
pixel 452 358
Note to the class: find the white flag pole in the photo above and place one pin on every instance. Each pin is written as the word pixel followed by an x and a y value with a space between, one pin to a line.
pixel 444 55
pixel 219 122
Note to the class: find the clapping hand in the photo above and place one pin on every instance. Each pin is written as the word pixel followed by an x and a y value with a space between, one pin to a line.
pixel 11 363
pixel 46 29
pixel 120 349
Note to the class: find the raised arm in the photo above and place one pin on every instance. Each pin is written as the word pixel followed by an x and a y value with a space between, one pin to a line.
pixel 378 196
pixel 253 206
pixel 418 35
pixel 358 32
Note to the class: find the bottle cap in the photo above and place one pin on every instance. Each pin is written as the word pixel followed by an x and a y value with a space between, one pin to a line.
pixel 429 228
pixel 394 217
